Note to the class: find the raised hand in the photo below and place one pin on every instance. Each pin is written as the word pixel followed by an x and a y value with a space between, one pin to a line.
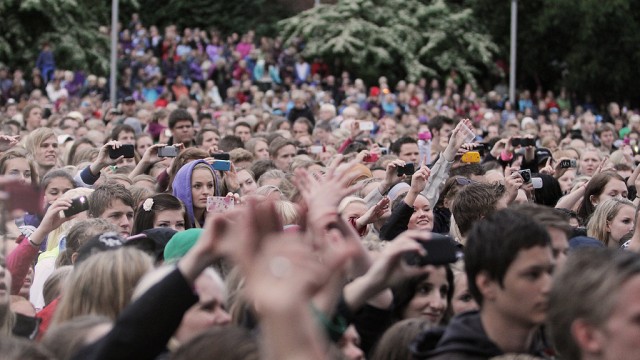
pixel 512 181
pixel 150 156
pixel 419 179
pixel 231 179
pixel 51 220
pixel 322 195
pixel 354 130
pixel 237 234
pixel 7 142
pixel 388 269
pixel 458 137
pixel 391 175
pixel 548 168
pixel 286 272
pixel 374 213
pixel 103 160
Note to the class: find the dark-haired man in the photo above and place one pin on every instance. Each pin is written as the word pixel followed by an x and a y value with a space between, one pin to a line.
pixel 508 261
pixel 406 149
pixel 440 128
pixel 181 126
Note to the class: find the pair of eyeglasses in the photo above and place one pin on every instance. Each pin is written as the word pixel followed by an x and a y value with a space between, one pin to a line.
pixel 462 181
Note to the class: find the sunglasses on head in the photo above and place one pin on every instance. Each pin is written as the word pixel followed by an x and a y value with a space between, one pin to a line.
pixel 462 181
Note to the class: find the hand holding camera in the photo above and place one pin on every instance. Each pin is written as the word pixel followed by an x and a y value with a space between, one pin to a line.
pixel 523 142
pixel 118 151
pixel 109 154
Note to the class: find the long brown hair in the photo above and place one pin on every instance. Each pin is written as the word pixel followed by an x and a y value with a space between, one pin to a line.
pixel 595 187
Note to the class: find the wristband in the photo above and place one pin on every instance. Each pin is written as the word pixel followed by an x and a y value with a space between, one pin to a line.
pixel 37 246
pixel 506 156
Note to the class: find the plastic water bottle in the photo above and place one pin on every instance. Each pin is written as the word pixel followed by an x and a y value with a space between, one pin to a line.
pixel 424 147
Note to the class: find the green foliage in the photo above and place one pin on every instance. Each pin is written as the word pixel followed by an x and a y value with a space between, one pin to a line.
pixel 225 16
pixel 589 46
pixel 410 38
pixel 70 26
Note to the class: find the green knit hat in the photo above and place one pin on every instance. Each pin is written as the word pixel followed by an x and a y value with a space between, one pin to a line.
pixel 180 244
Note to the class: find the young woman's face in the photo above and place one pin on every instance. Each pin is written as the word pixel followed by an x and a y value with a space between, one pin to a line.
pixel 56 188
pixel 247 184
pixel 462 300
pixel 209 139
pixel 47 153
pixel 18 168
pixel 35 116
pixel 261 151
pixel 173 219
pixel 566 180
pixel 354 210
pixel 126 162
pixel 430 299
pixel 142 144
pixel 589 163
pixel 614 188
pixel 621 225
pixel 422 217
pixel 202 186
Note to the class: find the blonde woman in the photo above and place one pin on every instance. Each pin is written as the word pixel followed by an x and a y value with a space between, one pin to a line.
pixel 287 212
pixel 611 221
pixel 103 284
pixel 46 260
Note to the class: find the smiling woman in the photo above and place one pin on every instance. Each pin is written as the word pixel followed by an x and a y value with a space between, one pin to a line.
pixel 42 146
pixel 425 297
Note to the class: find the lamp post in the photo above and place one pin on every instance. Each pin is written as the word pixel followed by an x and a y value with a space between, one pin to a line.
pixel 114 53
pixel 512 65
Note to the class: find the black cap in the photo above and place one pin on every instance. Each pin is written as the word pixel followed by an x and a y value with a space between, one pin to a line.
pixel 128 99
pixel 542 154
pixel 99 243
pixel 152 241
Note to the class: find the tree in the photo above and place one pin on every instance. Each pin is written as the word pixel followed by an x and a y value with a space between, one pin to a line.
pixel 225 16
pixel 410 38
pixel 70 26
pixel 587 45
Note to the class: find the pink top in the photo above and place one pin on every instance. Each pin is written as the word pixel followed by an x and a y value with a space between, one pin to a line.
pixel 19 262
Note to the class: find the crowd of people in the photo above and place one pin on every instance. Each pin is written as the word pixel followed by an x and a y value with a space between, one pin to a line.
pixel 240 203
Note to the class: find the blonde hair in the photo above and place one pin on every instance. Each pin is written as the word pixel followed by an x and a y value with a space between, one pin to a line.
pixel 617 157
pixel 287 212
pixel 103 284
pixel 37 137
pixel 348 201
pixel 54 284
pixel 605 212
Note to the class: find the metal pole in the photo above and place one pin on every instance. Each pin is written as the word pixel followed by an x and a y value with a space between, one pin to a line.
pixel 114 52
pixel 512 65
